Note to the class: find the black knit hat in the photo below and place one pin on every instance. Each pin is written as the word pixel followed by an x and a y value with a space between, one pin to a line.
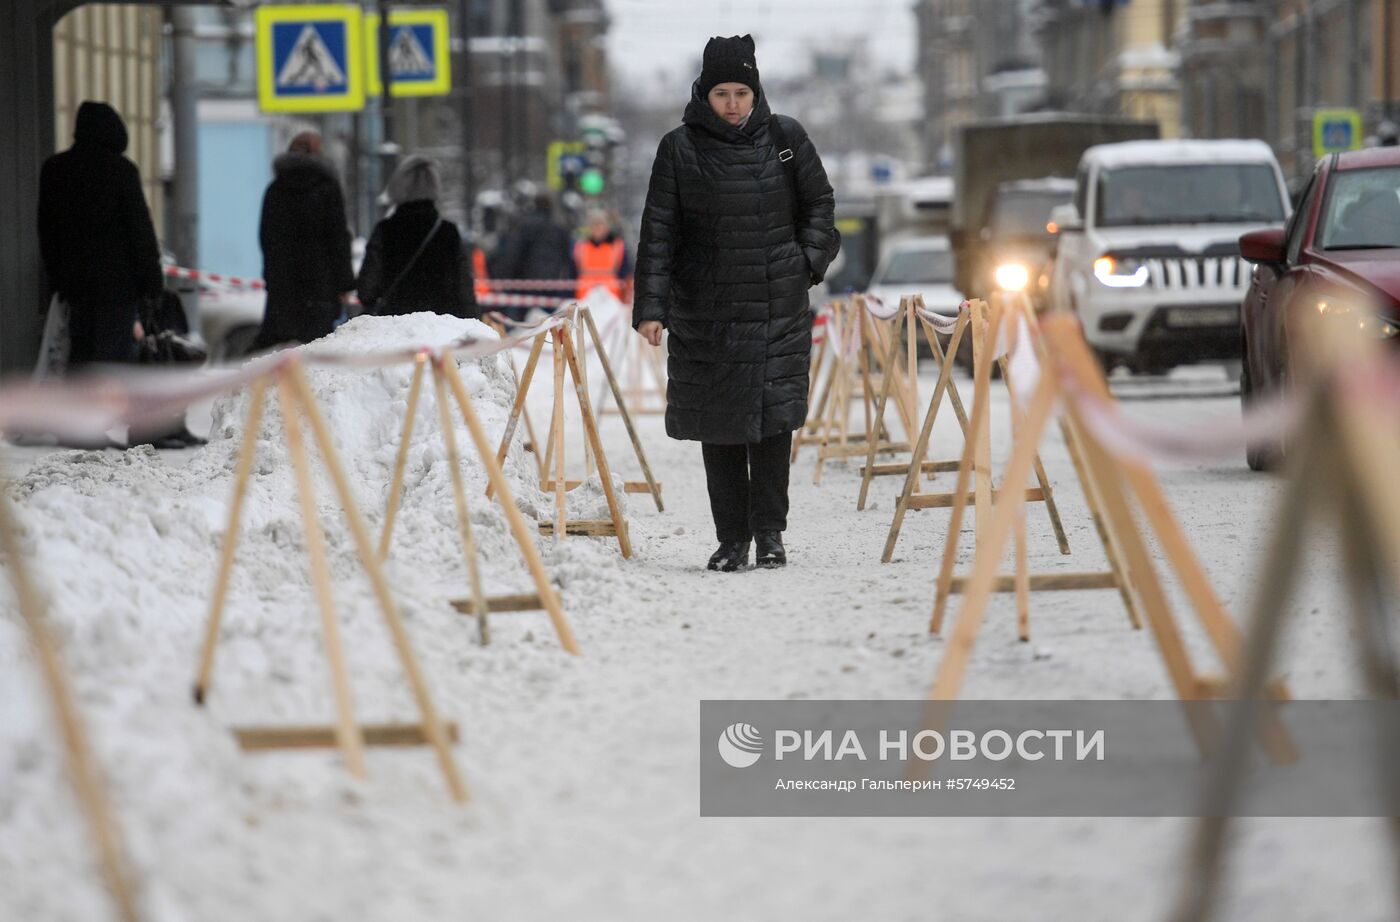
pixel 729 60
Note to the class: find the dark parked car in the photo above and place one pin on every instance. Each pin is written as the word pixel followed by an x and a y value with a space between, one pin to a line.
pixel 1338 257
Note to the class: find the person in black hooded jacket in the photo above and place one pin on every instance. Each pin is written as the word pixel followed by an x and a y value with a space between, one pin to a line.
pixel 306 247
pixel 415 261
pixel 97 240
pixel 732 237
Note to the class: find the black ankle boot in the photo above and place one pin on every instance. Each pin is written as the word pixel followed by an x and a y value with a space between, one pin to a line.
pixel 730 557
pixel 770 551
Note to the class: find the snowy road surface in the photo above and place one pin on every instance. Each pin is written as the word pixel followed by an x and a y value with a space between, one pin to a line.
pixel 583 771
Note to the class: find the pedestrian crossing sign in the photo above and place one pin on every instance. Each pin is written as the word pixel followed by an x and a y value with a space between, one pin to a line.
pixel 310 58
pixel 420 58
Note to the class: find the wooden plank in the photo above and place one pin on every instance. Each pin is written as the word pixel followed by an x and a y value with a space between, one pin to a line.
pixel 526 601
pixel 1047 582
pixel 946 500
pixel 630 486
pixel 261 739
pixel 902 469
pixel 594 528
pixel 851 451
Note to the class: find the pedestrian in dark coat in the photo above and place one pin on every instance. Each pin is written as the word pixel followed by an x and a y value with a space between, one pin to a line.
pixel 732 237
pixel 305 245
pixel 538 247
pixel 97 240
pixel 415 261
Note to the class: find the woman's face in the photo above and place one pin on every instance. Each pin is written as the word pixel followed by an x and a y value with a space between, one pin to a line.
pixel 732 102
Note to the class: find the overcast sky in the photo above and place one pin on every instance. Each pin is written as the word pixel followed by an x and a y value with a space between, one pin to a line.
pixel 652 37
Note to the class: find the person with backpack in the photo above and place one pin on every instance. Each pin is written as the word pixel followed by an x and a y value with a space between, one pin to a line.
pixel 739 223
pixel 415 261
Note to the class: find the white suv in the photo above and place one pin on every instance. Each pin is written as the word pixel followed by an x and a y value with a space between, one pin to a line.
pixel 1148 255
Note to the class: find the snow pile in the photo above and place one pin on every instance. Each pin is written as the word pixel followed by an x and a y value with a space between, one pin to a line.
pixel 127 547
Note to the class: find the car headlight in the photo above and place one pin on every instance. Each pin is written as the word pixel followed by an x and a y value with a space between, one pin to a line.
pixel 1120 273
pixel 1012 276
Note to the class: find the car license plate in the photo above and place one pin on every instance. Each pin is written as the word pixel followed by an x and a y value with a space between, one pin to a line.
pixel 1227 315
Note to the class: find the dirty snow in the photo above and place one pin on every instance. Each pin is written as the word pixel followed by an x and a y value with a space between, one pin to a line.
pixel 583 771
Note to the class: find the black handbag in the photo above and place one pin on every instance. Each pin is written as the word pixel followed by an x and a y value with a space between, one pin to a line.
pixel 383 300
pixel 167 341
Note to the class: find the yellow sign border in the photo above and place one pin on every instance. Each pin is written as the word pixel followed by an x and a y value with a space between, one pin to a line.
pixel 441 82
pixel 352 100
pixel 1335 115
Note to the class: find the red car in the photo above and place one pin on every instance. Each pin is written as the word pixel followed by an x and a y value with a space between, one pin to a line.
pixel 1339 255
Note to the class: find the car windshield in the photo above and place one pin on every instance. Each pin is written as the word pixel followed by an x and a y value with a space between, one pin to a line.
pixel 921 267
pixel 1197 193
pixel 1363 210
pixel 1025 214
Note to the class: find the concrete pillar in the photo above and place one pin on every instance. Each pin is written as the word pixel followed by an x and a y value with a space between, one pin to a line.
pixel 26 137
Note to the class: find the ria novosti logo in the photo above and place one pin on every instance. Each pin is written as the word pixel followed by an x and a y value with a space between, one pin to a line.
pixel 740 745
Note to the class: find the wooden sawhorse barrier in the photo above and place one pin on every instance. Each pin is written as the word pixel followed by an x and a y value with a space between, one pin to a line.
pixel 351 738
pixel 1342 461
pixel 975 466
pixel 910 309
pixel 447 379
pixel 83 770
pixel 861 342
pixel 1066 358
pixel 565 355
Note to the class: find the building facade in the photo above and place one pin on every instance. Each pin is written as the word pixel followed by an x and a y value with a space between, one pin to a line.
pixel 112 53
pixel 1116 57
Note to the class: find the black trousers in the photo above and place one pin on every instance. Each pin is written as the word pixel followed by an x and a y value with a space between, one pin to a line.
pixel 748 486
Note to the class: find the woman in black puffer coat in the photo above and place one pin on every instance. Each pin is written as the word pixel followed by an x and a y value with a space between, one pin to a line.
pixel 739 223
pixel 415 261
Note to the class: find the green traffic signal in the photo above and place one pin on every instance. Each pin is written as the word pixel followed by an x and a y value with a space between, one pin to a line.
pixel 591 182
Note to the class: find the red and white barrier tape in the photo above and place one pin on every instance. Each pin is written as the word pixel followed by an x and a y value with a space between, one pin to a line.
pixel 499 285
pixel 199 275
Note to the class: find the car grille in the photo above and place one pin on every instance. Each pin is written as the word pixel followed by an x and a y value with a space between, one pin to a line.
pixel 1191 273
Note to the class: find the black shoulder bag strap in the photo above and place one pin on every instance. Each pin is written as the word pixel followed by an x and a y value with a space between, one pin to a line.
pixel 408 267
pixel 788 160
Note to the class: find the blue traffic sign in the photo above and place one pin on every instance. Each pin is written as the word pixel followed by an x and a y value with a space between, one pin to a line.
pixel 310 59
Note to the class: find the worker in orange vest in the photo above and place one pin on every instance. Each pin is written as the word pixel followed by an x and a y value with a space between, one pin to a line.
pixel 602 260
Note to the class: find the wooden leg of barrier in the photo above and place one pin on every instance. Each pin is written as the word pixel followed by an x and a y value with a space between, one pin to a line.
pixel 1107 539
pixel 432 725
pixel 1143 577
pixel 581 350
pixel 986 338
pixel 1050 507
pixel 652 486
pixel 522 390
pixel 823 372
pixel 1264 629
pixel 556 438
pixel 590 430
pixel 872 443
pixel 911 480
pixel 83 771
pixel 347 732
pixel 837 404
pixel 1023 580
pixel 524 538
pixel 246 453
pixel 980 420
pixel 992 542
pixel 1022 573
pixel 912 371
pixel 459 497
pixel 401 462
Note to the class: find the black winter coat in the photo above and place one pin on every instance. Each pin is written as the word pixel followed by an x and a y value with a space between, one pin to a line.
pixel 306 250
pixel 537 248
pixel 95 233
pixel 439 280
pixel 724 263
